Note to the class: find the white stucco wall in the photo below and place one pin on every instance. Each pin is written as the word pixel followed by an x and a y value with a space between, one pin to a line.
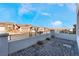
pixel 2 29
pixel 65 36
pixel 24 43
pixel 3 44
pixel 77 29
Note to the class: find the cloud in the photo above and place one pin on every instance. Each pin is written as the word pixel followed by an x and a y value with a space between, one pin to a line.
pixel 60 4
pixel 56 24
pixel 46 14
pixel 71 7
pixel 24 9
pixel 29 8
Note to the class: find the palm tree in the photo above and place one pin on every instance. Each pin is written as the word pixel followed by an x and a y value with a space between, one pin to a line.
pixel 74 29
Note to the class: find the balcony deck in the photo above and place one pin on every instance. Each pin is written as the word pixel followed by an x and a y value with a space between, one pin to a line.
pixel 52 47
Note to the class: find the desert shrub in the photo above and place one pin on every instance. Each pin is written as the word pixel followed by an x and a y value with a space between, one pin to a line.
pixel 52 36
pixel 40 43
pixel 48 39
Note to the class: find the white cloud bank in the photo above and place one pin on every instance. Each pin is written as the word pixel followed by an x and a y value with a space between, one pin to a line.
pixel 45 14
pixel 24 9
pixel 72 7
pixel 56 24
pixel 61 4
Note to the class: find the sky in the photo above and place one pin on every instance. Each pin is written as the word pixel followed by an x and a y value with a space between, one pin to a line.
pixel 51 15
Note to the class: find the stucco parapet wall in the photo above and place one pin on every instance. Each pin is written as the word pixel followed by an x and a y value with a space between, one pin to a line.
pixel 4 34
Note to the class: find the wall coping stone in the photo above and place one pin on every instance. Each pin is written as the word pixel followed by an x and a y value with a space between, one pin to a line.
pixel 4 34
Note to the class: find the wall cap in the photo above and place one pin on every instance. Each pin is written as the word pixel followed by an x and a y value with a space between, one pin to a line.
pixel 4 34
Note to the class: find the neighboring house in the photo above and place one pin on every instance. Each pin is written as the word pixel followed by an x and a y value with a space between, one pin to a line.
pixel 6 27
pixel 46 30
pixel 24 28
pixel 2 29
pixel 12 28
pixel 62 30
pixel 40 29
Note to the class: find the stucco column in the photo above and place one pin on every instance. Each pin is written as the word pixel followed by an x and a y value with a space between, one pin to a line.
pixel 3 44
pixel 77 29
